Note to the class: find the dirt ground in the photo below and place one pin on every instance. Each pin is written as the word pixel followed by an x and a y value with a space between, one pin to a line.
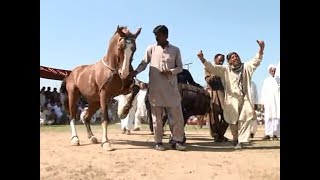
pixel 135 158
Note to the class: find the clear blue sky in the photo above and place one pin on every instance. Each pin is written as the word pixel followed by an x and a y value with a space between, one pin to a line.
pixel 77 32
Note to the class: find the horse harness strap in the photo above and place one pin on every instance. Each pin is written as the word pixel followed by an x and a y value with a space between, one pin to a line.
pixel 114 71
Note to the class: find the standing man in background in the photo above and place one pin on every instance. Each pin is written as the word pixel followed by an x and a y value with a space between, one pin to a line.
pixel 218 125
pixel 254 96
pixel 141 112
pixel 127 123
pixel 269 98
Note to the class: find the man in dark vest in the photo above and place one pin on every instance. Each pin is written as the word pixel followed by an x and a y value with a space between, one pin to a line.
pixel 217 123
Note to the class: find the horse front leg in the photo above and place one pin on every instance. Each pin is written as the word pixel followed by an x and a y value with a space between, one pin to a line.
pixel 92 108
pixel 106 145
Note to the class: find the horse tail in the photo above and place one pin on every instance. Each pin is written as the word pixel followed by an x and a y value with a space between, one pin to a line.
pixel 63 87
pixel 64 94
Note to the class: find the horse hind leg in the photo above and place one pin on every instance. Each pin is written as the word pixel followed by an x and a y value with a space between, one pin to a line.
pixel 92 108
pixel 73 96
pixel 64 96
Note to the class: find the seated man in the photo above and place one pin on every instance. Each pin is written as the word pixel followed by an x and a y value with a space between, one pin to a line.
pixel 44 113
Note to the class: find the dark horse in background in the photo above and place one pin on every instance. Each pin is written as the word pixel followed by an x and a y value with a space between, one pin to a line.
pixel 194 99
pixel 99 82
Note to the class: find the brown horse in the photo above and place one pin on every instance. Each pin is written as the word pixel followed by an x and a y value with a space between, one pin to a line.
pixel 99 82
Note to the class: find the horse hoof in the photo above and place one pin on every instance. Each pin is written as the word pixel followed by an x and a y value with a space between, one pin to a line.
pixel 106 146
pixel 184 139
pixel 93 140
pixel 75 141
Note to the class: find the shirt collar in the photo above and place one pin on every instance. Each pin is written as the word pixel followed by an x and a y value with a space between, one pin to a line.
pixel 168 44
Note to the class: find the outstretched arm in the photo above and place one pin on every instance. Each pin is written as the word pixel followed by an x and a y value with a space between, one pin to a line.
pixel 144 63
pixel 261 45
pixel 255 62
pixel 211 68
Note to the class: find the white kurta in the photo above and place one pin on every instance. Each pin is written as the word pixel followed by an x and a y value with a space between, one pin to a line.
pixel 270 98
pixel 128 121
pixel 278 81
pixel 277 73
pixel 141 111
pixel 254 93
pixel 254 97
pixel 163 90
pixel 236 107
pixel 141 105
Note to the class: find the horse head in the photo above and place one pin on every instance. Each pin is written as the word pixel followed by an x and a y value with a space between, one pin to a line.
pixel 124 47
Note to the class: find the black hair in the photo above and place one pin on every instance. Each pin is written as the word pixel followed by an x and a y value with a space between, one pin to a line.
pixel 161 28
pixel 230 54
pixel 215 57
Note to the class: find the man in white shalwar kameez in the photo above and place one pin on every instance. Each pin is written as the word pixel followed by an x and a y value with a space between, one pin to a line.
pixel 270 94
pixel 277 75
pixel 141 111
pixel 127 123
pixel 254 96
pixel 238 107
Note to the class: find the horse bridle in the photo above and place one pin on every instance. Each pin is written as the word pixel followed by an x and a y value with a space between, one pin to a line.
pixel 107 65
pixel 127 40
pixel 115 70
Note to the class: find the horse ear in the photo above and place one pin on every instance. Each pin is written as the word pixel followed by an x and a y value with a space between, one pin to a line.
pixel 136 34
pixel 120 32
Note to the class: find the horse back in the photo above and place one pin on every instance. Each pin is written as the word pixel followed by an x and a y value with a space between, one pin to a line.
pixel 194 100
pixel 83 79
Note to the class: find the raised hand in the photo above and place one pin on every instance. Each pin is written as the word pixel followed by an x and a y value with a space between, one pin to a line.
pixel 200 55
pixel 261 45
